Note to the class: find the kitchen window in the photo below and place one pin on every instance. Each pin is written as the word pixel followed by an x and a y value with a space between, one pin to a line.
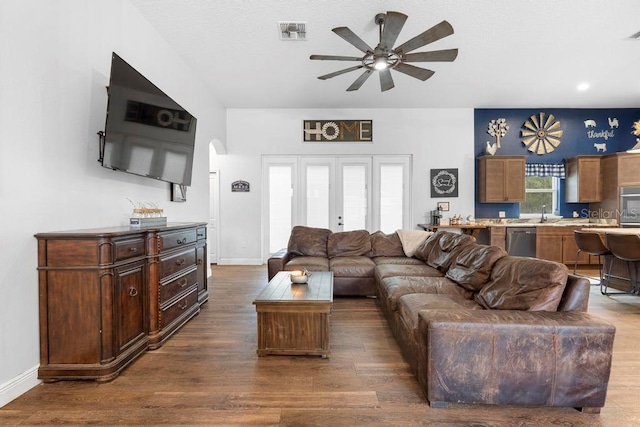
pixel 540 191
pixel 541 183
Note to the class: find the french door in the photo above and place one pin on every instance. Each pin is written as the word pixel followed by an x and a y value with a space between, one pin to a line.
pixel 335 193
pixel 341 193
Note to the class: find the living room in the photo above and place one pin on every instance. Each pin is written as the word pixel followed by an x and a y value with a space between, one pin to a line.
pixel 54 103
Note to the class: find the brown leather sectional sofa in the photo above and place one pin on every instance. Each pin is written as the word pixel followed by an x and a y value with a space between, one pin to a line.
pixel 475 324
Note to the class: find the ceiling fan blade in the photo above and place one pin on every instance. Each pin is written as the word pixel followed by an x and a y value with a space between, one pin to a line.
pixel 335 58
pixel 360 81
pixel 446 55
pixel 417 72
pixel 352 38
pixel 337 73
pixel 393 23
pixel 437 32
pixel 386 81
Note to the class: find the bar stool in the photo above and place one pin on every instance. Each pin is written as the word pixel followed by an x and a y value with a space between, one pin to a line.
pixel 627 248
pixel 592 244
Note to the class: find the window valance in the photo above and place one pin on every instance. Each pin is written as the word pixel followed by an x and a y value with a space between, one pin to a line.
pixel 540 169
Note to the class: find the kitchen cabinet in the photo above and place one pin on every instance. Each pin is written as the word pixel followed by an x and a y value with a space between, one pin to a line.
pixel 617 170
pixel 583 183
pixel 107 295
pixel 501 179
pixel 557 243
pixel 498 236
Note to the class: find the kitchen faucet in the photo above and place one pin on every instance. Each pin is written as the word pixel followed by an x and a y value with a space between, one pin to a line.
pixel 543 218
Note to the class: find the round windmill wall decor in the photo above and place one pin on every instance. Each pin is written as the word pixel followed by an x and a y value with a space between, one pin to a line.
pixel 541 133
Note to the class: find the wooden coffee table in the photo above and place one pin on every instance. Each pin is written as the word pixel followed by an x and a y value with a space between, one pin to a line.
pixel 294 319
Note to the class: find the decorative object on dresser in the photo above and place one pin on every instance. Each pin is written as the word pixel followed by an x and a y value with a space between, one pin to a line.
pixel 109 294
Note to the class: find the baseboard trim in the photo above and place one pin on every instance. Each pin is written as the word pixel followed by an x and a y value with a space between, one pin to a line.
pixel 18 385
pixel 240 261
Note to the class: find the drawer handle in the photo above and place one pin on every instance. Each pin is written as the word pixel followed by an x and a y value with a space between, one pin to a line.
pixel 199 261
pixel 133 292
pixel 133 249
pixel 182 242
pixel 183 307
pixel 183 283
pixel 180 261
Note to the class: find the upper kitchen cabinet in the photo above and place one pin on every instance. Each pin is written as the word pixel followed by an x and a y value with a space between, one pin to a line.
pixel 501 179
pixel 583 183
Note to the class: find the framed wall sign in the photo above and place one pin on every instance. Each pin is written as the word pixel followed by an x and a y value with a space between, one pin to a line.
pixel 443 206
pixel 337 130
pixel 240 187
pixel 444 183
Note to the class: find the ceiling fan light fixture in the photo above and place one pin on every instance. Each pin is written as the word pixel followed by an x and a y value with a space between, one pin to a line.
pixel 380 63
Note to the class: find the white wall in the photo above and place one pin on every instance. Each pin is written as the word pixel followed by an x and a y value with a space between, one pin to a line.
pixel 55 61
pixel 437 138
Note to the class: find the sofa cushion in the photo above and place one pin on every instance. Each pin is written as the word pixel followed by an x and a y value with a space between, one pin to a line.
pixel 352 266
pixel 401 260
pixel 442 248
pixel 472 267
pixel 409 305
pixel 390 270
pixel 392 288
pixel 386 245
pixel 349 243
pixel 311 263
pixel 522 283
pixel 309 241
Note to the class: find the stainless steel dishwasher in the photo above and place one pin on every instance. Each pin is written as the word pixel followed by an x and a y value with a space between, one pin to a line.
pixel 521 241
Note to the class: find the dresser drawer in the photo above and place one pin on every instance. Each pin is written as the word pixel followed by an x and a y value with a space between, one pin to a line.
pixel 174 239
pixel 175 310
pixel 201 233
pixel 131 248
pixel 175 262
pixel 178 285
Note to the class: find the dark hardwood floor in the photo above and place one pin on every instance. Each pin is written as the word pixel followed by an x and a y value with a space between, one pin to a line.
pixel 209 374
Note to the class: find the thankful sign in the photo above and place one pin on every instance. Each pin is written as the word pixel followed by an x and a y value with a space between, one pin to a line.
pixel 338 130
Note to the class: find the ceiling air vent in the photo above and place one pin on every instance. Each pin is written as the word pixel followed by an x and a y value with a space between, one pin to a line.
pixel 292 30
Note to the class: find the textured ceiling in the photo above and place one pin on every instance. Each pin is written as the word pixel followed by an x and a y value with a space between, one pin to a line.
pixel 525 53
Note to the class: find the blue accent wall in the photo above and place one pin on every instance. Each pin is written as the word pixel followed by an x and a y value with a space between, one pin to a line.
pixel 582 128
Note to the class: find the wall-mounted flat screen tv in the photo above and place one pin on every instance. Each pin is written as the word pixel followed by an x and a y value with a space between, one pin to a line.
pixel 146 133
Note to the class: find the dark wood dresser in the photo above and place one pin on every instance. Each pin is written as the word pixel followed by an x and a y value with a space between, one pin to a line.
pixel 107 295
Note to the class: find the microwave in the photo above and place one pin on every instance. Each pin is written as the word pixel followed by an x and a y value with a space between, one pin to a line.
pixel 630 207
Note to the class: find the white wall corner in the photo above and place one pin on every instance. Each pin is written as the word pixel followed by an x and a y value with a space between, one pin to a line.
pixel 19 385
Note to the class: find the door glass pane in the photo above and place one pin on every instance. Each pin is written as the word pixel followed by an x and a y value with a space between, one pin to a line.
pixel 354 193
pixel 317 196
pixel 391 206
pixel 280 225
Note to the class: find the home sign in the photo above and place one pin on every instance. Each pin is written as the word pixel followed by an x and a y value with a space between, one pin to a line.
pixel 338 130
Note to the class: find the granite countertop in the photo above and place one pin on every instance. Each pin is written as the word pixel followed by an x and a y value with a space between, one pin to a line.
pixel 550 223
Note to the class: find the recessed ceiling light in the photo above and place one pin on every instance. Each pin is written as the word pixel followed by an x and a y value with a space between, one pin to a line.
pixel 583 86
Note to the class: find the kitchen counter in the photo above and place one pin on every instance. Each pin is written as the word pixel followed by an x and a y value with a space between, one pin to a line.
pixel 616 230
pixel 551 224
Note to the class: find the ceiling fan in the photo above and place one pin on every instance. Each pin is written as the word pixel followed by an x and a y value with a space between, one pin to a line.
pixel 383 58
